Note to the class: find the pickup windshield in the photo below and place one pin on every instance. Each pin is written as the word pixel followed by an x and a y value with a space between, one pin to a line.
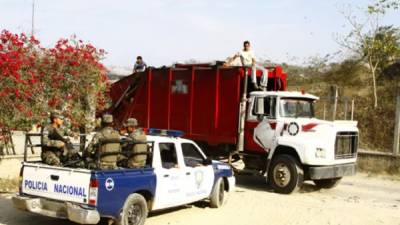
pixel 297 107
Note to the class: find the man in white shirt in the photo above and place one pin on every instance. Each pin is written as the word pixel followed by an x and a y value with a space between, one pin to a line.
pixel 246 56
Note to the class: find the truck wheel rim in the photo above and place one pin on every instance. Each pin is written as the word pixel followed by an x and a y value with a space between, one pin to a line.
pixel 281 175
pixel 134 214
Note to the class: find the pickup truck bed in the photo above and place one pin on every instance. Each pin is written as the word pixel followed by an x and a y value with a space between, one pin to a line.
pixel 71 191
pixel 179 174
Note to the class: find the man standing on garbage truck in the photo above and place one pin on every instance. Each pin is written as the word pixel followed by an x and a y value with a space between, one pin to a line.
pixel 246 56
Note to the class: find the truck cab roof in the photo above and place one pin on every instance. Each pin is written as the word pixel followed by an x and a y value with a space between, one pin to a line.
pixel 285 94
pixel 157 138
pixel 162 138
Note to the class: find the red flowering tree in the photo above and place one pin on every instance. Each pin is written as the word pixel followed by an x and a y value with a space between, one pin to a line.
pixel 18 79
pixel 76 81
pixel 35 80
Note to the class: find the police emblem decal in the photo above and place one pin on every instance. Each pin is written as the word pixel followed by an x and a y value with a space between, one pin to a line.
pixel 109 184
pixel 179 87
pixel 199 177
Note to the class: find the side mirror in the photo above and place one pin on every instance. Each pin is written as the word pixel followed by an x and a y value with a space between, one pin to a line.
pixel 259 107
pixel 207 162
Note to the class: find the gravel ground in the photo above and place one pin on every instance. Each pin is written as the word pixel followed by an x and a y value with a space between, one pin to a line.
pixel 360 199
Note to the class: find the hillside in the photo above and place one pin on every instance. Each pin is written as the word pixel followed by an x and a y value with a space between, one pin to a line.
pixel 354 82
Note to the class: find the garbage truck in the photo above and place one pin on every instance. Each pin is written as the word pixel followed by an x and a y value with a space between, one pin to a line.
pixel 243 113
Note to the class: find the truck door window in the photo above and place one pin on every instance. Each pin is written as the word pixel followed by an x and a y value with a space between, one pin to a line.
pixel 191 155
pixel 168 155
pixel 269 107
pixel 297 107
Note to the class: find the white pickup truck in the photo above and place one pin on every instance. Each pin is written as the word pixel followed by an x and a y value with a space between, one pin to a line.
pixel 177 173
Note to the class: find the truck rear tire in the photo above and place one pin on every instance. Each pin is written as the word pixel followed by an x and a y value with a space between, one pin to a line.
pixel 285 174
pixel 327 183
pixel 218 195
pixel 134 211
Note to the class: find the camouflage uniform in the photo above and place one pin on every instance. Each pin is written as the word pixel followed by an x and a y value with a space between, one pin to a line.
pixel 96 147
pixel 54 146
pixel 138 151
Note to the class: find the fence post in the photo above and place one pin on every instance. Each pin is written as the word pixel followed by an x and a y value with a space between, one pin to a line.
pixel 352 109
pixel 26 147
pixel 334 99
pixel 396 140
pixel 324 111
pixel 346 101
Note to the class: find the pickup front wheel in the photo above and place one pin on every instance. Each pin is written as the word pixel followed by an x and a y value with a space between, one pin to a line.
pixel 134 211
pixel 285 174
pixel 218 194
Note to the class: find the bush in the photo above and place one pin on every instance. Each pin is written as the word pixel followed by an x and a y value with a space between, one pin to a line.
pixel 34 80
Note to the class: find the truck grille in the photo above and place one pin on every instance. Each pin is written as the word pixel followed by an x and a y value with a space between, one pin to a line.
pixel 346 145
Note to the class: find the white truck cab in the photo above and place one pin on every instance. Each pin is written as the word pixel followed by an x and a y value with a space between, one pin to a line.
pixel 182 175
pixel 299 146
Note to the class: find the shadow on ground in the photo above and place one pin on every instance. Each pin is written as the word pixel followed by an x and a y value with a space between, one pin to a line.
pixel 11 216
pixel 258 183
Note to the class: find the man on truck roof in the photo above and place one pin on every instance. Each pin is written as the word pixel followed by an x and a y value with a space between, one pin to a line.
pixel 246 56
pixel 140 65
pixel 105 141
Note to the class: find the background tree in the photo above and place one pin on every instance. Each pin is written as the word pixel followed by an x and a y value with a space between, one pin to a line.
pixel 18 80
pixel 36 80
pixel 76 80
pixel 371 42
pixel 383 49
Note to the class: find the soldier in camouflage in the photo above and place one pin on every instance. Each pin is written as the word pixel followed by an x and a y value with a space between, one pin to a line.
pixel 138 151
pixel 104 141
pixel 55 148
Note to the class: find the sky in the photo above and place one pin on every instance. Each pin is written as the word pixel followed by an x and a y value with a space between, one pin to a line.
pixel 168 31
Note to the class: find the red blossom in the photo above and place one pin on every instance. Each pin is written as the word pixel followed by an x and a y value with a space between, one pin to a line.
pixel 31 74
pixel 17 93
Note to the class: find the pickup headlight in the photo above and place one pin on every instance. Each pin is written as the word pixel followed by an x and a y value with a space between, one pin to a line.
pixel 320 153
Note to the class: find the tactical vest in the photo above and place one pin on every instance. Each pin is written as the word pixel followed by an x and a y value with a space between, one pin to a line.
pixel 139 157
pixel 109 135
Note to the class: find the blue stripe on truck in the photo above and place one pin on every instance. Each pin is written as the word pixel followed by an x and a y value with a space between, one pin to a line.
pixel 221 170
pixel 116 185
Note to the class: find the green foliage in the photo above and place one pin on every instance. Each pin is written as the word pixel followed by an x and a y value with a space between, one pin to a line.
pixel 35 80
pixel 381 6
pixel 377 45
pixel 382 46
pixel 347 73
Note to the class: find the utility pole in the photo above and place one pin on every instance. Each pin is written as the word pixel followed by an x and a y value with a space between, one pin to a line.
pixel 33 18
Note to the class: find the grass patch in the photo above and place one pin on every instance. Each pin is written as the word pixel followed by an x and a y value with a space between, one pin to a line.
pixel 8 185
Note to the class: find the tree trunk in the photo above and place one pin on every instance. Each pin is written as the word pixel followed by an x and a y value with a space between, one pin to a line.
pixel 373 67
pixel 374 84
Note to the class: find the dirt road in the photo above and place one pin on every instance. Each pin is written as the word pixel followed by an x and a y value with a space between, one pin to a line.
pixel 357 200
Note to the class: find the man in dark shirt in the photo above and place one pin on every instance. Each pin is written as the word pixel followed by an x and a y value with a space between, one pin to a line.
pixel 140 65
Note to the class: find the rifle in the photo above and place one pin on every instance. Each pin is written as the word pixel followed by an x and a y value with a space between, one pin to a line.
pixel 68 146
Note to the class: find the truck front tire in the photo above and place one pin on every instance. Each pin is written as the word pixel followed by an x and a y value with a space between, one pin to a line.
pixel 285 174
pixel 327 183
pixel 218 194
pixel 134 211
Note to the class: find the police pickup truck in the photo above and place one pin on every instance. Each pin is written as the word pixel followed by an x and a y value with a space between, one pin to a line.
pixel 177 173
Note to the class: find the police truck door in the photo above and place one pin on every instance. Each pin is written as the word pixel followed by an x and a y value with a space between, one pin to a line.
pixel 199 178
pixel 169 172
